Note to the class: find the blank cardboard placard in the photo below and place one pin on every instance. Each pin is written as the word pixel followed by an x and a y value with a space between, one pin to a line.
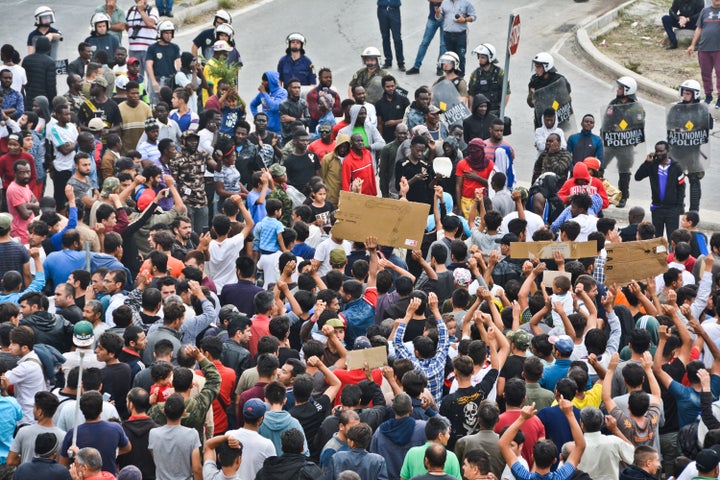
pixel 545 250
pixel 375 357
pixel 549 276
pixel 395 223
pixel 637 260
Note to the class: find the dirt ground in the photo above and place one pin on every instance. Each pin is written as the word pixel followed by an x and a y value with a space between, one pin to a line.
pixel 639 45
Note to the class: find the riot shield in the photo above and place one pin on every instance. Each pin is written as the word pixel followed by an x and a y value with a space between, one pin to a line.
pixel 688 133
pixel 623 125
pixel 446 97
pixel 556 96
pixel 374 90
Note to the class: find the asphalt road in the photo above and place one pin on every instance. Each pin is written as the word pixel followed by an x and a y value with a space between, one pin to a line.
pixel 338 31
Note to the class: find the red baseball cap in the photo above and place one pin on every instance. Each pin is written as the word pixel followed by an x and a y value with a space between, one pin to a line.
pixel 132 60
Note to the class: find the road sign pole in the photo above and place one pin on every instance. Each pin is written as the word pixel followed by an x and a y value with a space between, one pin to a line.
pixel 513 38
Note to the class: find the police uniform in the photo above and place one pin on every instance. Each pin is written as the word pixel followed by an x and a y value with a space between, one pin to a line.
pixel 489 83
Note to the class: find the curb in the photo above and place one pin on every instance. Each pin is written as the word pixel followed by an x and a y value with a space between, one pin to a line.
pixel 590 30
pixel 584 36
pixel 181 14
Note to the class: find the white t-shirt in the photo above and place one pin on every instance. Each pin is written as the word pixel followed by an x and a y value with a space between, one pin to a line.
pixel 256 449
pixel 588 225
pixel 19 76
pixel 60 136
pixel 28 379
pixel 534 223
pixel 64 417
pixel 221 267
pixel 322 253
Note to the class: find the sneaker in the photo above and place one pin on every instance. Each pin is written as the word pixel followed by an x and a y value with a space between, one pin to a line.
pixel 672 46
pixel 717 105
pixel 412 71
pixel 387 65
pixel 708 99
pixel 169 14
pixel 401 67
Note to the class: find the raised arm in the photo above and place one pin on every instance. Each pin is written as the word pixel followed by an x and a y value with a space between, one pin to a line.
pixel 330 378
pixel 371 245
pixel 607 382
pixel 527 412
pixel 663 377
pixel 577 434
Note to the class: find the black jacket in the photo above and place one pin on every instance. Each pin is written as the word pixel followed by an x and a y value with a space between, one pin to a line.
pixel 290 465
pixel 76 66
pixel 635 473
pixel 476 126
pixel 675 188
pixel 51 329
pixel 40 70
pixel 687 8
pixel 138 432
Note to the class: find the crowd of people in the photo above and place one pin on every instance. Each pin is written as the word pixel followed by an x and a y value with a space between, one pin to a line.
pixel 180 306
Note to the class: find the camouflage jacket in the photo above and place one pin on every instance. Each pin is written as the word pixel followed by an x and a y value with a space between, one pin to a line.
pixel 189 173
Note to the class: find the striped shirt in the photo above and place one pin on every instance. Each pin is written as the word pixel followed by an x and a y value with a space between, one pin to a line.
pixel 146 36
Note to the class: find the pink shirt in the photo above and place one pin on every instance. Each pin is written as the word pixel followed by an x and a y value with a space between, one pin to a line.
pixel 17 195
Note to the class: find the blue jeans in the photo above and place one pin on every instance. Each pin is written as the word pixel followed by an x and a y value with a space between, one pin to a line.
pixel 431 27
pixel 389 20
pixel 669 23
pixel 457 42
pixel 164 6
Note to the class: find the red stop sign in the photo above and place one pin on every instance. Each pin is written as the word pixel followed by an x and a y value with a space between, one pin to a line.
pixel 514 39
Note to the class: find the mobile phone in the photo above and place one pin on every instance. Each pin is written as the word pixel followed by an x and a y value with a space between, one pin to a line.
pixel 205 229
pixel 106 397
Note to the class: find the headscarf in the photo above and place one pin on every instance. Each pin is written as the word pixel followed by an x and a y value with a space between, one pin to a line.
pixel 476 154
pixel 44 105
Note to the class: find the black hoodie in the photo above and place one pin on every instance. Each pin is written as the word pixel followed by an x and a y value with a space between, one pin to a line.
pixel 477 126
pixel 137 430
pixel 635 473
pixel 40 70
pixel 51 329
pixel 290 465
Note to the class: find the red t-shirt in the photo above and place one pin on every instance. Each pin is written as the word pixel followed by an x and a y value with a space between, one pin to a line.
pixel 259 328
pixel 321 149
pixel 469 186
pixel 533 429
pixel 227 384
pixel 353 377
pixel 17 195
pixel 8 173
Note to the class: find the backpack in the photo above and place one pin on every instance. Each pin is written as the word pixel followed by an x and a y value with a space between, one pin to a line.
pixel 688 439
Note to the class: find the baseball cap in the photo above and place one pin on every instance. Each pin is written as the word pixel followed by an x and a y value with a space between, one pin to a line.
pixel 254 409
pixel 338 257
pixel 706 460
pixel 99 81
pixel 361 343
pixel 462 277
pixel 563 344
pixel 519 338
pixel 96 124
pixel 277 170
pixel 227 311
pixel 151 123
pixel 189 133
pixel 5 221
pixel 222 46
pixel 523 193
pixel 83 335
pixel 592 162
pixel 109 185
pixel 121 82
pixel 507 239
pixel 132 60
pixel 336 323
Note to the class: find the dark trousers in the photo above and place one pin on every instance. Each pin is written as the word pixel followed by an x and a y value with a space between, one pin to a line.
pixel 60 179
pixel 389 20
pixel 666 219
pixel 457 42
pixel 670 23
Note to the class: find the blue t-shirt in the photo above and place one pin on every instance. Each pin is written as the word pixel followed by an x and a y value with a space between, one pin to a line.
pixel 562 473
pixel 266 233
pixel 257 211
pixel 688 400
pixel 556 424
pixel 553 373
pixel 106 437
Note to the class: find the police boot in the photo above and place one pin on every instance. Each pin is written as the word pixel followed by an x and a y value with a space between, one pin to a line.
pixel 624 186
pixel 695 190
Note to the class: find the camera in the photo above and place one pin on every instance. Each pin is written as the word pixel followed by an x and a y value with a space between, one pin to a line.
pixel 135 32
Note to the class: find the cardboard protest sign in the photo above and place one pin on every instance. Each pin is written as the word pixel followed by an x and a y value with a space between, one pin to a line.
pixel 545 250
pixel 549 276
pixel 375 357
pixel 629 261
pixel 395 223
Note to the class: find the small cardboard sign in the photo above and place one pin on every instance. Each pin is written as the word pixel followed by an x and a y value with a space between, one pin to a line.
pixel 545 250
pixel 395 223
pixel 549 276
pixel 375 357
pixel 629 261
